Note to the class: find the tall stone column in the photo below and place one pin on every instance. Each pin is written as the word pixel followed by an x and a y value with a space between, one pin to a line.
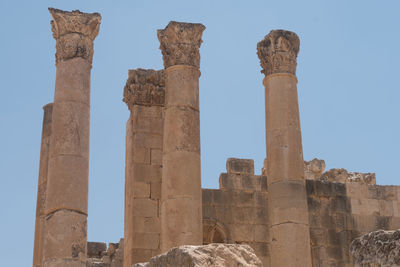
pixel 42 186
pixel 68 170
pixel 181 203
pixel 144 94
pixel 288 212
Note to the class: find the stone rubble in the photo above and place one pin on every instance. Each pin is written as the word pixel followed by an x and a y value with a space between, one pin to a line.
pixel 212 255
pixel 314 170
pixel 98 255
pixel 380 248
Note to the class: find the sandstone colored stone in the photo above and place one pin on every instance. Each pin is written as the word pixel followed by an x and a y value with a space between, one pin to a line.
pixel 146 224
pixel 183 133
pixel 69 187
pixel 230 181
pixel 147 173
pixel 187 77
pixel 147 140
pixel 156 156
pixel 141 190
pixel 68 168
pixel 335 175
pixel 234 165
pixel 148 125
pixel 155 190
pixel 68 244
pixel 379 247
pixel 42 186
pixel 145 207
pixel 243 232
pixel 180 43
pixel 181 202
pixel 251 182
pixel 146 240
pixel 141 155
pixel 95 249
pixel 209 255
pixel 186 216
pixel 367 178
pixel 356 190
pixel 181 184
pixel 145 88
pixel 290 237
pixel 343 176
pixel 105 257
pixel 144 94
pixel 314 168
pixel 288 203
pixel 286 219
pixel 145 111
pixel 74 32
pixel 287 200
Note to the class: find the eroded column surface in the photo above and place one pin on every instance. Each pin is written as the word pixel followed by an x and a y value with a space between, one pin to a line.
pixel 68 170
pixel 42 186
pixel 289 225
pixel 181 205
pixel 144 95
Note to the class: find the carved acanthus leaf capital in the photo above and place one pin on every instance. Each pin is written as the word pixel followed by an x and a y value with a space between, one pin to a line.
pixel 278 52
pixel 180 43
pixel 145 87
pixel 74 32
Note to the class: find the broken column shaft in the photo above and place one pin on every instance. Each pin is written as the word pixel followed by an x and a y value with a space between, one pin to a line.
pixel 68 170
pixel 144 95
pixel 289 223
pixel 181 203
pixel 42 185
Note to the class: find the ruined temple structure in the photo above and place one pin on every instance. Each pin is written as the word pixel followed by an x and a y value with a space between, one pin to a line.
pixel 294 213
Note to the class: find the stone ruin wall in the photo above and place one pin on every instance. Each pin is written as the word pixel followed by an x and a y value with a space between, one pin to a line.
pixel 101 255
pixel 339 212
pixel 237 211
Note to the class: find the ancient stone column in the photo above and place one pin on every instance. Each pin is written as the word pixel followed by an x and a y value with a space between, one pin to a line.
pixel 288 212
pixel 42 185
pixel 144 94
pixel 181 203
pixel 68 170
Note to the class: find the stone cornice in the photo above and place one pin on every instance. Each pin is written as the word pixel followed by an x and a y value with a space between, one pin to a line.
pixel 180 43
pixel 145 87
pixel 278 52
pixel 74 32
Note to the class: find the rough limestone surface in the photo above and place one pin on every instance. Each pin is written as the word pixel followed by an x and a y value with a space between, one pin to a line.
pixel 216 255
pixel 379 248
pixel 98 255
pixel 314 168
pixel 343 176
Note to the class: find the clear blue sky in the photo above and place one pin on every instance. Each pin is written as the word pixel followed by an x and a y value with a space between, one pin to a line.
pixel 349 93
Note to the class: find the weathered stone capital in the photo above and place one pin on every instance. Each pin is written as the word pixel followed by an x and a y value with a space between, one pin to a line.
pixel 278 52
pixel 74 32
pixel 180 43
pixel 144 87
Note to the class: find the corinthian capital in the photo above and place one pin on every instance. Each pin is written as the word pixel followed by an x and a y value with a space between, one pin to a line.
pixel 180 43
pixel 144 87
pixel 278 52
pixel 74 32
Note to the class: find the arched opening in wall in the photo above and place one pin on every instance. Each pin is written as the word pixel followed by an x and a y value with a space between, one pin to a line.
pixel 215 232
